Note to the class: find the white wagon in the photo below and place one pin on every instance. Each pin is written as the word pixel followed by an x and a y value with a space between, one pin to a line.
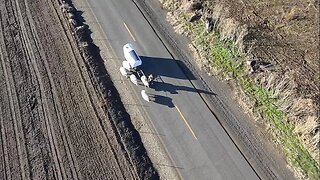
pixel 132 58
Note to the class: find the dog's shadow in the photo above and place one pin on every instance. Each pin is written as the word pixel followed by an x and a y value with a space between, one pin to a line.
pixel 163 100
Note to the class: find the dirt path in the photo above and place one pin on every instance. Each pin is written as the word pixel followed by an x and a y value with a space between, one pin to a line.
pixel 52 122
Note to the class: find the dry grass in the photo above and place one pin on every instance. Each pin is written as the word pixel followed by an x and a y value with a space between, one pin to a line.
pixel 271 95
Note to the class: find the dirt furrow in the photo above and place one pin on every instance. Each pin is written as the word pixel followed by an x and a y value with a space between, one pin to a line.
pixel 39 71
pixel 60 127
pixel 54 119
pixel 71 89
pixel 3 99
pixel 12 51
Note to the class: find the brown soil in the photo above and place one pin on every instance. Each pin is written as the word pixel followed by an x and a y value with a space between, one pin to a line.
pixel 61 117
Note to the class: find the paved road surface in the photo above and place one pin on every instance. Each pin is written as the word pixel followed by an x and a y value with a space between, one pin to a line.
pixel 198 145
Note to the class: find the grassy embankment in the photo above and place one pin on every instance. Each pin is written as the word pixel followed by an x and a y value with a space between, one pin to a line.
pixel 224 56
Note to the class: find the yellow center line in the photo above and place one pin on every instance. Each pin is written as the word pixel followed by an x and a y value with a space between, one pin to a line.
pixel 129 31
pixel 185 121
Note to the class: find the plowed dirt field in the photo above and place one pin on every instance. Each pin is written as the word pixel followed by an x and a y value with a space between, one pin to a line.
pixel 54 121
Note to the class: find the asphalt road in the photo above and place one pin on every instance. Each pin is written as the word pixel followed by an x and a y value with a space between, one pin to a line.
pixel 198 145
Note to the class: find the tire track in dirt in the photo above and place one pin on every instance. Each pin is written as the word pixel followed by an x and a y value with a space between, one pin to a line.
pixel 68 87
pixel 33 53
pixel 26 125
pixel 29 49
pixel 73 91
pixel 3 149
pixel 16 145
pixel 4 80
pixel 53 118
pixel 57 106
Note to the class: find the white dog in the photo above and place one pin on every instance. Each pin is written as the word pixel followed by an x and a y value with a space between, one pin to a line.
pixel 134 79
pixel 144 81
pixel 145 95
pixel 123 72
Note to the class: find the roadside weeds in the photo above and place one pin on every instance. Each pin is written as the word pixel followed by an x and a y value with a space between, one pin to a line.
pixel 266 101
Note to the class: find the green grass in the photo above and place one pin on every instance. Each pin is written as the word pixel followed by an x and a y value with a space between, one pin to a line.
pixel 225 57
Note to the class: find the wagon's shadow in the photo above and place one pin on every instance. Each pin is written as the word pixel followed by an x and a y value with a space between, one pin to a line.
pixel 169 68
pixel 173 89
pixel 166 67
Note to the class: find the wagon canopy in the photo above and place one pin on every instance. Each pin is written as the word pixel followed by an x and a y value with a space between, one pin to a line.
pixel 131 56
